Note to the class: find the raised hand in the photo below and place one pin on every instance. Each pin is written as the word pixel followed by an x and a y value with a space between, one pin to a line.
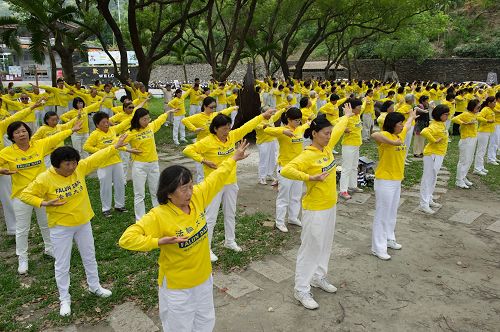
pixel 348 110
pixel 319 177
pixel 77 126
pixel 240 152
pixel 121 141
pixel 53 202
pixel 267 114
pixel 6 171
pixel 209 163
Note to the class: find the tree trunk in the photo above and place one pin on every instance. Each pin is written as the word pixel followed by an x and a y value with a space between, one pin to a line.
pixel 144 73
pixel 298 71
pixel 185 72
pixel 67 67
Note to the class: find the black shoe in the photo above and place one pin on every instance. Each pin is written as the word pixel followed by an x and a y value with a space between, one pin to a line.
pixel 121 210
pixel 107 214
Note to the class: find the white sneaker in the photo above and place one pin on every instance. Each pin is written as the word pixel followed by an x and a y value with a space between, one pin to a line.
pixel 479 172
pixel 306 299
pixel 262 181
pixel 461 185
pixel 232 246
pixel 467 182
pixel 324 284
pixel 213 257
pixel 335 152
pixel 383 257
pixel 393 245
pixel 435 205
pixel 282 228
pixel 426 209
pixel 355 190
pixel 484 170
pixel 295 222
pixel 493 162
pixel 65 309
pixel 102 292
pixel 23 265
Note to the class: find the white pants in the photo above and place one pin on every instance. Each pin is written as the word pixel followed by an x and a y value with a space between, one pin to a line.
pixel 482 145
pixel 91 122
pixel 228 196
pixel 494 144
pixel 23 213
pixel 62 238
pixel 109 177
pixel 221 107
pixel 466 147
pixel 8 209
pixel 367 125
pixel 418 144
pixel 233 116
pixel 142 171
pixel 179 129
pixel 349 175
pixel 194 109
pixel 199 172
pixel 432 164
pixel 318 228
pixel 267 159
pixel 187 310
pixel 387 194
pixel 46 161
pixel 125 157
pixel 289 195
pixel 78 140
pixel 409 136
pixel 447 124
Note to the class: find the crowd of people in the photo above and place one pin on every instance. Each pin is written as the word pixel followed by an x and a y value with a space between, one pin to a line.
pixel 301 124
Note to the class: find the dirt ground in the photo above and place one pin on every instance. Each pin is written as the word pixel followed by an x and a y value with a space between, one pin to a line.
pixel 446 277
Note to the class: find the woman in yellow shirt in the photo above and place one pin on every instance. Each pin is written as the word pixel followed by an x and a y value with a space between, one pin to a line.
pixel 495 137
pixel 179 229
pixel 386 108
pixel 200 123
pixel 5 180
pixel 291 143
pixel 351 142
pixel 486 119
pixel 316 166
pixel 211 152
pixel 62 190
pixel 24 159
pixel 110 172
pixel 179 132
pixel 436 135
pixel 144 164
pixel 388 176
pixel 467 144
pixel 51 127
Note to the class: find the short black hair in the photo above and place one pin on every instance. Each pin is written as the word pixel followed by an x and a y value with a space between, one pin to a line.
pixel 439 110
pixel 122 98
pixel 218 121
pixel 334 97
pixel 303 102
pixel 423 98
pixel 472 104
pixel 316 125
pixel 391 120
pixel 385 106
pixel 292 113
pixel 47 116
pixel 170 179
pixel 76 100
pixel 15 126
pixel 98 116
pixel 64 153
pixel 139 113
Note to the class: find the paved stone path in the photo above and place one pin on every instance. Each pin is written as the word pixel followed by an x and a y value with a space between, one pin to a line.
pixel 277 272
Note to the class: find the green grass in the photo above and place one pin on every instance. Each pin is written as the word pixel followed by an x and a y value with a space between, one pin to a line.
pixel 31 303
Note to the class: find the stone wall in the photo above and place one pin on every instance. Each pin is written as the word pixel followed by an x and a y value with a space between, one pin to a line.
pixel 441 70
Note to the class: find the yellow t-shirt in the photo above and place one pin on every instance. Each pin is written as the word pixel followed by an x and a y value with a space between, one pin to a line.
pixel 331 111
pixel 289 147
pixel 320 195
pixel 28 164
pixel 368 106
pixel 381 120
pixel 203 120
pixel 435 131
pixel 178 103
pixel 466 130
pixel 71 189
pixel 497 114
pixel 68 116
pixel 183 265
pixel 108 102
pixel 405 110
pixel 391 165
pixel 46 131
pixel 486 114
pixel 143 139
pixel 212 149
pixel 451 106
pixel 353 138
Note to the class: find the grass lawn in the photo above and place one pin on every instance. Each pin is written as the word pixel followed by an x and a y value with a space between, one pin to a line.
pixel 31 303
